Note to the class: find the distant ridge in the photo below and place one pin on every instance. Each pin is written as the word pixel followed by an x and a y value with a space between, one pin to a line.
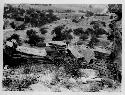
pixel 96 8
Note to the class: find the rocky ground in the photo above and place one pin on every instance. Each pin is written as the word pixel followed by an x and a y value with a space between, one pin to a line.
pixel 46 78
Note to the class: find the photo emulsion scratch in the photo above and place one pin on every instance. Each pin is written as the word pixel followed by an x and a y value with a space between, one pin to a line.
pixel 62 47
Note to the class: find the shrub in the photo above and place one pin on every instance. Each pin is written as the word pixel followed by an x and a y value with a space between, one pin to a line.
pixel 96 26
pixel 13 25
pixel 93 41
pixel 103 23
pixel 83 37
pixel 41 44
pixel 33 38
pixel 16 37
pixel 67 37
pixel 89 14
pixel 17 27
pixel 20 27
pixel 74 20
pixel 58 31
pixel 33 16
pixel 98 23
pixel 17 84
pixel 100 31
pixel 43 30
pixel 62 35
pixel 89 31
pixel 117 9
pixel 78 31
pixel 67 31
pixel 31 32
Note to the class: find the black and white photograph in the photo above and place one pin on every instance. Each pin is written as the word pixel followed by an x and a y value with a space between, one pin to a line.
pixel 62 47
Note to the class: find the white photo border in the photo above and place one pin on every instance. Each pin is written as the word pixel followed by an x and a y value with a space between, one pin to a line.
pixel 62 2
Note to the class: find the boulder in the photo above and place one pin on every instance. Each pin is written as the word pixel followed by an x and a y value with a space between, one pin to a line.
pixel 89 73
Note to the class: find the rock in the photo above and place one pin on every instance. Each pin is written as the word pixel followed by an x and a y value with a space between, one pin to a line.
pixel 72 80
pixel 90 87
pixel 10 44
pixel 33 51
pixel 83 79
pixel 89 73
pixel 88 54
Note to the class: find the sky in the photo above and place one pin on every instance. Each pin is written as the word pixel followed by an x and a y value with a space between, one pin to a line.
pixel 76 7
